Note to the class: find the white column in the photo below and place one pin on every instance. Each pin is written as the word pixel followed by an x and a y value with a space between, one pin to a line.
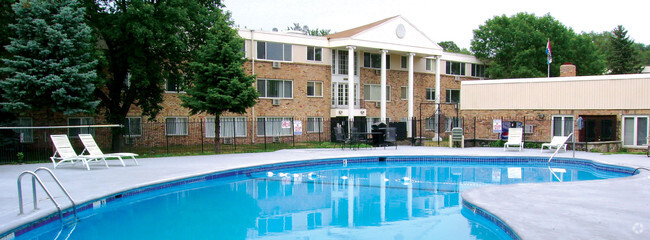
pixel 351 89
pixel 383 86
pixel 437 94
pixel 437 81
pixel 410 96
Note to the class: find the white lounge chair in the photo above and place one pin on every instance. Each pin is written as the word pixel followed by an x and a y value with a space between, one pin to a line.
pixel 556 142
pixel 94 150
pixel 514 139
pixel 66 153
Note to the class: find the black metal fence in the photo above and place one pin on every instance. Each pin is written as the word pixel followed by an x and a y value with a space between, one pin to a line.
pixel 238 135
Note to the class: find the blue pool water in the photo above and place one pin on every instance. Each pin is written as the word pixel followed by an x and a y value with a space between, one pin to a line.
pixel 365 198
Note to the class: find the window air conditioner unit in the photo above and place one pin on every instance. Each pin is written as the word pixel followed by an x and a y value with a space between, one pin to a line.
pixel 377 104
pixel 275 102
pixel 276 139
pixel 277 64
pixel 456 78
pixel 227 141
pixel 377 72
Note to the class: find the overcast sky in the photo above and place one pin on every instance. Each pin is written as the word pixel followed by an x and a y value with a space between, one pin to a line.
pixel 441 20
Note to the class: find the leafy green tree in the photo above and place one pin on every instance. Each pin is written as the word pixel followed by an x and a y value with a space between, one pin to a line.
pixel 50 65
pixel 644 53
pixel 219 81
pixel 450 46
pixel 311 32
pixel 144 45
pixel 622 57
pixel 514 47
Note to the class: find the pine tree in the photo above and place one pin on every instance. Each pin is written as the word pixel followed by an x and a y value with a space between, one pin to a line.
pixel 622 57
pixel 219 83
pixel 50 64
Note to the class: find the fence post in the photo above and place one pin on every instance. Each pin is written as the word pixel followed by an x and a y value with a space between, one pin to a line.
pixel 524 132
pixel 475 131
pixel 264 133
pixel 234 133
pixel 293 133
pixel 202 133
pixel 320 129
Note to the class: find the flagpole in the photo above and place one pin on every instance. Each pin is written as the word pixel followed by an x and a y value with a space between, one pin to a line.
pixel 549 69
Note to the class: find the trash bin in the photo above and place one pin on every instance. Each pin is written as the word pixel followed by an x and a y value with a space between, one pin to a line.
pixel 378 132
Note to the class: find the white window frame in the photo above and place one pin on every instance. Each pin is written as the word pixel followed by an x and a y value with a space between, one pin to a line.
pixel 635 137
pixel 240 124
pixel 275 130
pixel 369 97
pixel 371 57
pixel 451 121
pixel 282 94
pixel 404 62
pixel 562 129
pixel 266 50
pixel 448 96
pixel 179 88
pixel 430 124
pixel 404 92
pixel 182 125
pixel 475 70
pixel 432 92
pixel 313 50
pixel 26 135
pixel 449 65
pixel 314 83
pixel 315 123
pixel 128 123
pixel 74 132
pixel 428 65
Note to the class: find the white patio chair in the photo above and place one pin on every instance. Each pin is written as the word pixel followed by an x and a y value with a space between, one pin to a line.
pixel 514 139
pixel 66 153
pixel 94 150
pixel 556 142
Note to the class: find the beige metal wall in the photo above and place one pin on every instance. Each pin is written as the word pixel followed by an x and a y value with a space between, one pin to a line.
pixel 575 93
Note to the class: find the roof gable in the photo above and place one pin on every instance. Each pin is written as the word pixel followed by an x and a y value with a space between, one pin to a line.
pixel 394 33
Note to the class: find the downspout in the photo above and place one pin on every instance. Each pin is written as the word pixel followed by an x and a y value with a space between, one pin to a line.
pixel 253 48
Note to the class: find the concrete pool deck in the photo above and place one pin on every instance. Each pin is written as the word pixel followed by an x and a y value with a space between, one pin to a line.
pixel 602 209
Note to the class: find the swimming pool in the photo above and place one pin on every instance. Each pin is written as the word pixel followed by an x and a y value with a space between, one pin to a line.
pixel 352 198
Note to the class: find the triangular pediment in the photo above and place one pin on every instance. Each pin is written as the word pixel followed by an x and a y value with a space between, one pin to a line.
pixel 395 33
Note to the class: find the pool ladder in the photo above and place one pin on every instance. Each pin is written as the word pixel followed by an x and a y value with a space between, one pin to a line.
pixel 556 151
pixel 35 179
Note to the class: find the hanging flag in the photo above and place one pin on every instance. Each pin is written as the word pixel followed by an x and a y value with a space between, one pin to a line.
pixel 548 52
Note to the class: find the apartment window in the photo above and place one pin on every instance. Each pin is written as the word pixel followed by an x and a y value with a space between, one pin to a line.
pixel 453 96
pixel 75 121
pixel 372 121
pixel 26 135
pixel 314 89
pixel 455 68
pixel 133 126
pixel 404 92
pixel 453 122
pixel 430 124
pixel 174 85
pixel 431 94
pixel 372 92
pixel 315 54
pixel 274 51
pixel 478 70
pixel 274 126
pixel 272 88
pixel 373 60
pixel 176 126
pixel 228 127
pixel 429 64
pixel 562 125
pixel 404 63
pixel 314 124
pixel 340 62
pixel 635 130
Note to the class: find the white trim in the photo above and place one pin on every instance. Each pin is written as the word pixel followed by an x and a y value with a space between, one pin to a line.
pixel 187 126
pixel 636 127
pixel 265 85
pixel 563 116
pixel 560 79
pixel 321 89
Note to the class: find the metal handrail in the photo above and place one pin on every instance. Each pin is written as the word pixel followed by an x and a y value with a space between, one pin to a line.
pixel 558 149
pixel 35 177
